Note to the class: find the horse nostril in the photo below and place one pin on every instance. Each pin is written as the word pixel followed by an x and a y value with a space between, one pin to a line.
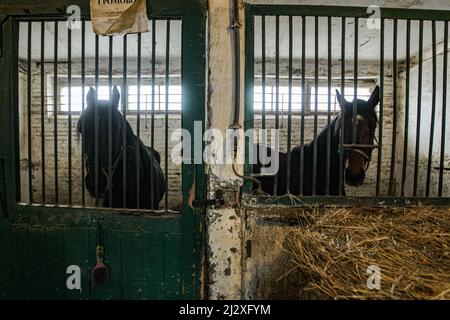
pixel 362 173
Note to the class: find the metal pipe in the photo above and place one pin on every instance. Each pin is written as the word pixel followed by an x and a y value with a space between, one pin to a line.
pixel 405 135
pixel 152 130
pixel 55 110
pixel 69 116
pixel 419 109
pixel 30 162
pixel 110 173
pixel 433 109
pixel 394 112
pixel 328 160
pixel 342 102
pixel 83 84
pixel 302 129
pixel 42 84
pixel 124 112
pixel 444 110
pixel 316 96
pixel 138 121
pixel 380 128
pixel 289 136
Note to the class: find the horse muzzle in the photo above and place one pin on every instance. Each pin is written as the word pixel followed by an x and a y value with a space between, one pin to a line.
pixel 354 180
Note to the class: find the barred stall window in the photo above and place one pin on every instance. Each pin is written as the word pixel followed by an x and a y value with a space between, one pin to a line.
pixel 57 69
pixel 393 80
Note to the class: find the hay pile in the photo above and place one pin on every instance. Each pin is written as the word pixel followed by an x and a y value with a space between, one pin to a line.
pixel 333 249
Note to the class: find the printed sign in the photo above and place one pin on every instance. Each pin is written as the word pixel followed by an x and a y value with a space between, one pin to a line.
pixel 113 17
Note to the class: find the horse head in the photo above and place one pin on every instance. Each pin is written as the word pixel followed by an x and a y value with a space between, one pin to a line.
pixel 358 153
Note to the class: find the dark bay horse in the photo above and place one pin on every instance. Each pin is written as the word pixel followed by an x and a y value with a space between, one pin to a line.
pixel 117 187
pixel 356 159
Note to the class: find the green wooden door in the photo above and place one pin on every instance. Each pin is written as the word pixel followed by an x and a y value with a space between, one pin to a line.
pixel 149 257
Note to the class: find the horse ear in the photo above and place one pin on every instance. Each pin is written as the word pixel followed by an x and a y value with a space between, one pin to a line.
pixel 374 98
pixel 90 97
pixel 115 97
pixel 339 98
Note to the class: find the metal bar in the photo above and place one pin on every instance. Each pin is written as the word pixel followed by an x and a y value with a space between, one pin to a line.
pixel 347 11
pixel 42 62
pixel 138 121
pixel 55 110
pixel 433 109
pixel 334 202
pixel 302 129
pixel 316 93
pixel 96 120
pixel 110 55
pixel 277 90
pixel 289 136
pixel 263 71
pixel 328 161
pixel 355 83
pixel 30 162
pixel 152 133
pixel 394 112
pixel 380 129
pixel 419 109
pixel 69 116
pixel 83 84
pixel 166 118
pixel 407 82
pixel 341 136
pixel 124 128
pixel 444 110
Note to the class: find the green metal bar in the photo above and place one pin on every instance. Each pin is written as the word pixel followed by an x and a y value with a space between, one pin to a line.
pixel 110 62
pixel 433 108
pixel 277 90
pixel 124 112
pixel 419 109
pixel 394 113
pixel 249 92
pixel 138 121
pixel 316 93
pixel 42 84
pixel 55 111
pixel 83 85
pixel 69 116
pixel 96 119
pixel 152 138
pixel 348 11
pixel 263 71
pixel 380 128
pixel 444 110
pixel 407 82
pixel 328 161
pixel 302 129
pixel 166 117
pixel 355 82
pixel 342 102
pixel 289 135
pixel 30 162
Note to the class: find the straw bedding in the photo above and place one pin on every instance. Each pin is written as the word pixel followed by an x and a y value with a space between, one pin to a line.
pixel 333 248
